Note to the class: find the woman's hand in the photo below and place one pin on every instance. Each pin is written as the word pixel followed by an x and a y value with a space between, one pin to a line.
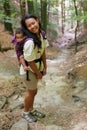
pixel 26 68
pixel 39 76
pixel 35 69
pixel 44 71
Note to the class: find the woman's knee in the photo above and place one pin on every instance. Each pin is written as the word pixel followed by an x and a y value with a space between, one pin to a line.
pixel 35 92
pixel 32 92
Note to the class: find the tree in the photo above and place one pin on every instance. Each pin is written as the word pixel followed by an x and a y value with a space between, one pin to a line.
pixel 77 26
pixel 7 18
pixel 30 6
pixel 44 14
pixel 23 7
pixel 83 5
pixel 63 14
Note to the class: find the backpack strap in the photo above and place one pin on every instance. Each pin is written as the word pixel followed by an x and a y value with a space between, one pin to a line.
pixel 27 72
pixel 43 34
pixel 38 60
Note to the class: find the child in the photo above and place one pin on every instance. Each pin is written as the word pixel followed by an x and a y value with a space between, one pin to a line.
pixel 19 40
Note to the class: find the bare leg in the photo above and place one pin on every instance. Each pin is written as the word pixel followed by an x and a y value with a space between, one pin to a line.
pixel 29 100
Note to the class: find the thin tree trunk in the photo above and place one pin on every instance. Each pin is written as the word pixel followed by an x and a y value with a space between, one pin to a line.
pixel 63 14
pixel 77 26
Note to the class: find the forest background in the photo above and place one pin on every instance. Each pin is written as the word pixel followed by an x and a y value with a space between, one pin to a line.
pixel 57 16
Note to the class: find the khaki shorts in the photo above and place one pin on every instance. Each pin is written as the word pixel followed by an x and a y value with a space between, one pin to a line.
pixel 32 83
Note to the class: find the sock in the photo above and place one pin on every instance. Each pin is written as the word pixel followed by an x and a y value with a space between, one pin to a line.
pixel 26 112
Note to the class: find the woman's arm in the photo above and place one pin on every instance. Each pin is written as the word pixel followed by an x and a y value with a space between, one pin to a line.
pixel 44 59
pixel 44 62
pixel 22 61
pixel 34 68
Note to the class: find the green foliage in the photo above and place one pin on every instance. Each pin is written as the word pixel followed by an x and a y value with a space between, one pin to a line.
pixel 79 18
pixel 1 16
pixel 15 12
pixel 5 1
pixel 52 2
pixel 82 15
pixel 29 0
pixel 37 8
pixel 52 30
pixel 53 11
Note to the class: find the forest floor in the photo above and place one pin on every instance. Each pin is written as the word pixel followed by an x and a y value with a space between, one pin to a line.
pixel 63 112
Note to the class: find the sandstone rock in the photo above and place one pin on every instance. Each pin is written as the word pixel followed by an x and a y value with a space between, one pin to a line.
pixel 53 127
pixel 79 71
pixel 20 125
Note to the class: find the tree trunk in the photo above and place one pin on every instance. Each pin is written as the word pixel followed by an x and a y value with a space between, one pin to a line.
pixel 7 19
pixel 35 6
pixel 63 14
pixel 23 7
pixel 85 21
pixel 77 26
pixel 44 14
pixel 30 6
pixel 83 5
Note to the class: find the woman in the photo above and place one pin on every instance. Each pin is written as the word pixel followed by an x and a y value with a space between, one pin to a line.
pixel 34 54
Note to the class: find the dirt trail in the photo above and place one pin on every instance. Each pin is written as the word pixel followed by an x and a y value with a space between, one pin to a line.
pixel 54 96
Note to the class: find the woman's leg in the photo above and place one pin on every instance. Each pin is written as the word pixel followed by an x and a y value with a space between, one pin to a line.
pixel 31 87
pixel 29 100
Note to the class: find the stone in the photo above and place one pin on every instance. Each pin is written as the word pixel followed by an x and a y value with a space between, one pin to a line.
pixel 53 127
pixel 80 126
pixel 21 125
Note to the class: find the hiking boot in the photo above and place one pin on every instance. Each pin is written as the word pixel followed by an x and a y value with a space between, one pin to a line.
pixel 38 114
pixel 29 117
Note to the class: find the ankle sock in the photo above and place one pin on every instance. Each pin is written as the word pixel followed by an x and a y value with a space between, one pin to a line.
pixel 26 112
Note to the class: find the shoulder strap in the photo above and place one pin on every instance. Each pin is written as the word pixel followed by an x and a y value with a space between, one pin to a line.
pixel 43 34
pixel 29 39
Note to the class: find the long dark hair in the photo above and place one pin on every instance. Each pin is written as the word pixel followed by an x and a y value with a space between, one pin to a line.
pixel 28 33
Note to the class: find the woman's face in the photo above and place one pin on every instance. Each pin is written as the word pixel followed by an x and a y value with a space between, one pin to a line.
pixel 32 25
